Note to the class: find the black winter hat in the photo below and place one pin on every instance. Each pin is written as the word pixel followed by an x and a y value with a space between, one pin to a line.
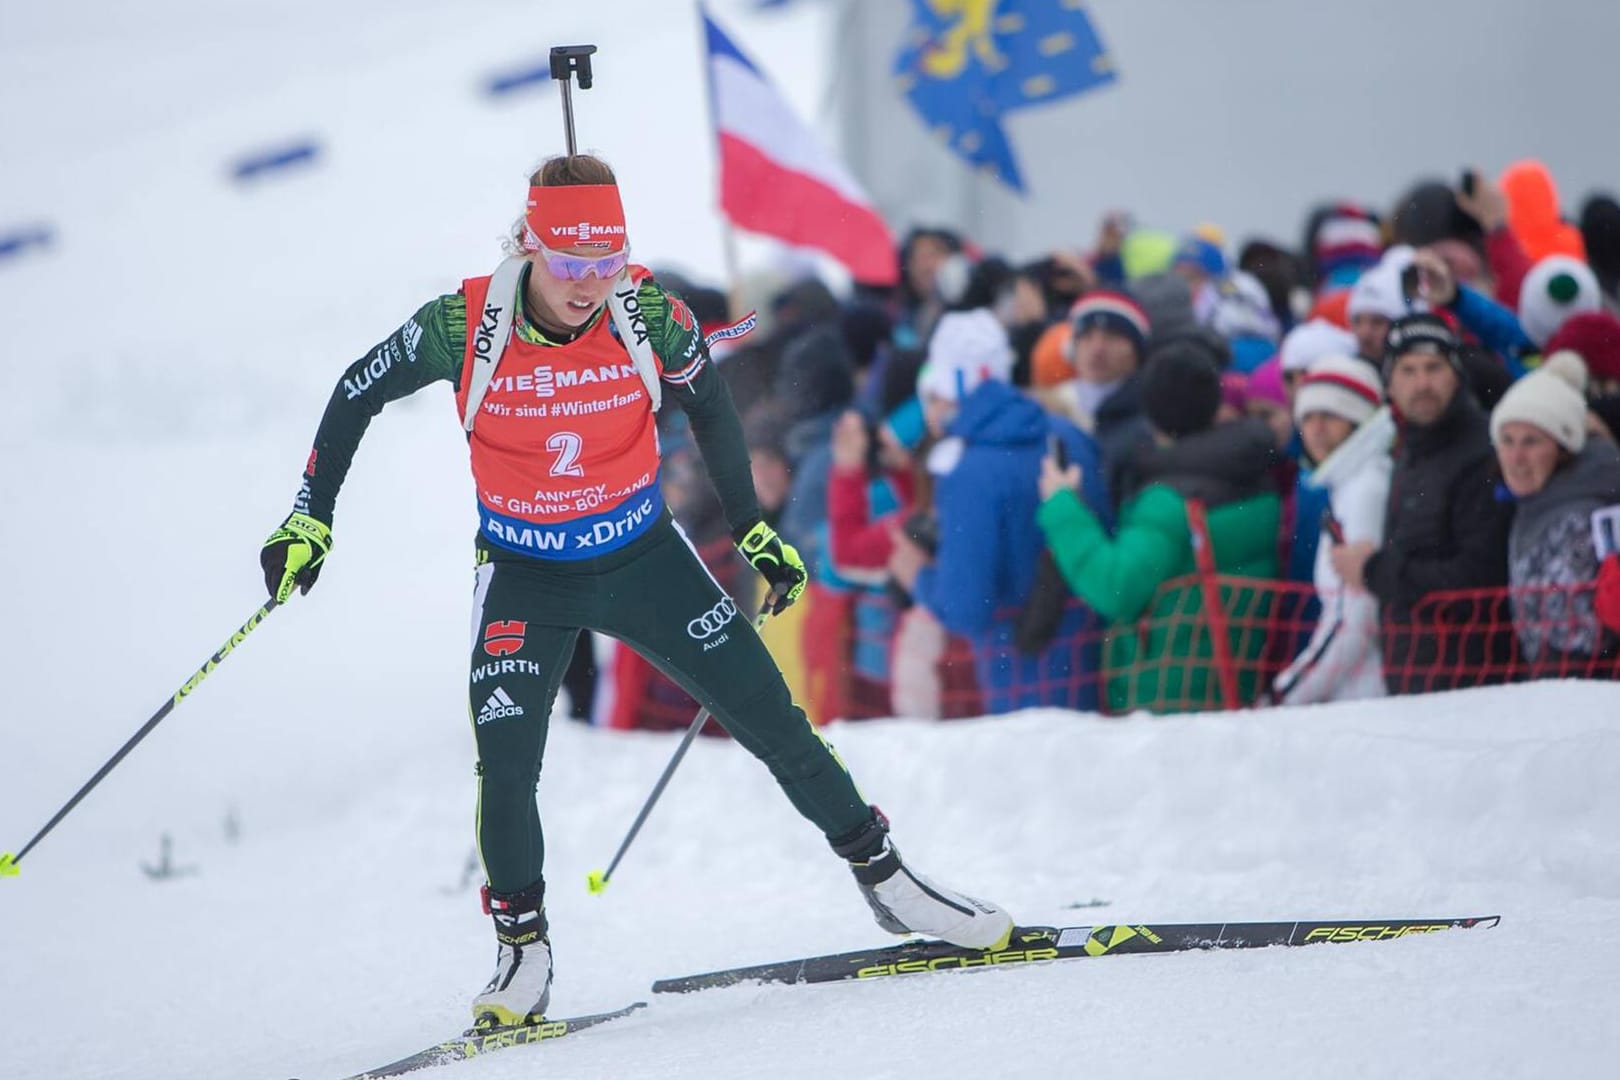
pixel 1181 389
pixel 1428 212
pixel 866 328
pixel 1600 229
pixel 1420 333
pixel 1167 300
pixel 817 373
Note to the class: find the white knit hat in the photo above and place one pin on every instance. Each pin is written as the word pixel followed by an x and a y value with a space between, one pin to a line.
pixel 1552 397
pixel 1309 342
pixel 967 349
pixel 1556 288
pixel 1378 290
pixel 1341 386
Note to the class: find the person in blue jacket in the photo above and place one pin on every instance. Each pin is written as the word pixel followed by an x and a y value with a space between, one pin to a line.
pixel 984 471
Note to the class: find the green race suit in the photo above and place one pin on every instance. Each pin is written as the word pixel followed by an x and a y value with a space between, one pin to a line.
pixel 653 594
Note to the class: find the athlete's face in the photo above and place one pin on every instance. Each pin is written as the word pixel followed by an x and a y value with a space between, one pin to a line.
pixel 562 302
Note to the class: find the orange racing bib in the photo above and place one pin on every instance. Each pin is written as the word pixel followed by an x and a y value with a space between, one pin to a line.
pixel 565 449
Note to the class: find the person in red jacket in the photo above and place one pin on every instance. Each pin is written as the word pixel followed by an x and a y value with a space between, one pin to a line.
pixel 1608 593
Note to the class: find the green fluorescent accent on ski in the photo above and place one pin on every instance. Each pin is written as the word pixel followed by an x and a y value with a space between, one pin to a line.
pixel 479 1041
pixel 1038 944
pixel 8 865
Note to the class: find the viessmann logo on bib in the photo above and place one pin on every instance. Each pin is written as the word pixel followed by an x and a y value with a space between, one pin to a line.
pixel 545 380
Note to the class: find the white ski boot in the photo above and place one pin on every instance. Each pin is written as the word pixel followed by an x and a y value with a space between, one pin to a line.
pixel 521 987
pixel 905 902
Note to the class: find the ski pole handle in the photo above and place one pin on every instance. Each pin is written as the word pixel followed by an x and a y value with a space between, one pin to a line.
pixel 8 862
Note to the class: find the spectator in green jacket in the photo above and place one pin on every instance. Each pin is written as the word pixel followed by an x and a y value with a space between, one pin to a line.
pixel 1167 664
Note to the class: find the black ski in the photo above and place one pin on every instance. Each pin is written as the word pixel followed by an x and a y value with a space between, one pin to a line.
pixel 484 1041
pixel 1036 944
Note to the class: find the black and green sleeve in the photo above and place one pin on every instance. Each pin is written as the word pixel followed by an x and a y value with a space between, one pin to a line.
pixel 427 349
pixel 691 379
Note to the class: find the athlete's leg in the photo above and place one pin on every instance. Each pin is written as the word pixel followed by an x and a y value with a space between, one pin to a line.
pixel 516 667
pixel 665 604
pixel 580 681
pixel 667 607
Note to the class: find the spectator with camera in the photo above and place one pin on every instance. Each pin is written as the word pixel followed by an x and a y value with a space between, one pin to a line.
pixel 1445 528
pixel 1559 477
pixel 1192 472
pixel 1379 297
pixel 1430 277
pixel 814 385
pixel 1110 336
pixel 983 471
pixel 871 488
pixel 1092 376
pixel 1342 661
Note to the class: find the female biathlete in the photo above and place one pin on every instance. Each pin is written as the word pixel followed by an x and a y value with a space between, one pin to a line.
pixel 557 389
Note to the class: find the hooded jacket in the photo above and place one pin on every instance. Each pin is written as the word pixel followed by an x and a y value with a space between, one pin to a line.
pixel 985 495
pixel 1165 664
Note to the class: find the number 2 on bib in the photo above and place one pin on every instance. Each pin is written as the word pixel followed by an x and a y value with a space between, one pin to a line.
pixel 566 445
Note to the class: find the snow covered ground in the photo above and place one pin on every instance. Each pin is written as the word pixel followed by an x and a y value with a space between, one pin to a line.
pixel 166 363
pixel 337 932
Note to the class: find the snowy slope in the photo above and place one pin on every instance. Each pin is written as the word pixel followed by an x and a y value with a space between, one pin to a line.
pixel 333 936
pixel 166 363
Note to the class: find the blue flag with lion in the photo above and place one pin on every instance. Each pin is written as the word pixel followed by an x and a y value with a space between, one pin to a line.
pixel 966 64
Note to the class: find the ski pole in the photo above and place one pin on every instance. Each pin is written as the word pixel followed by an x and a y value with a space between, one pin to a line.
pixel 597 880
pixel 8 862
pixel 566 60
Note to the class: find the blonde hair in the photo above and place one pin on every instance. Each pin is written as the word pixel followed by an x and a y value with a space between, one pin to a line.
pixel 564 170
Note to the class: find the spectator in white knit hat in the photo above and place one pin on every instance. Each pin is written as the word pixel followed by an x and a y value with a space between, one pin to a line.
pixel 1377 299
pixel 1343 659
pixel 1307 343
pixel 966 350
pixel 1558 477
pixel 987 545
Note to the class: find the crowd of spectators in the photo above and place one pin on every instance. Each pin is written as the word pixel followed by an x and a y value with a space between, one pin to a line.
pixel 1157 473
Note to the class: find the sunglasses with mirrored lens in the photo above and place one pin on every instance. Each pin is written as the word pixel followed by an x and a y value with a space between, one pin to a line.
pixel 580 267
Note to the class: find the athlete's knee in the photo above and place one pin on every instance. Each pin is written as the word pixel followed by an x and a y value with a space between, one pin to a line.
pixel 776 731
pixel 505 781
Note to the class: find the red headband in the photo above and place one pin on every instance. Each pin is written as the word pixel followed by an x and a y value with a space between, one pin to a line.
pixel 575 215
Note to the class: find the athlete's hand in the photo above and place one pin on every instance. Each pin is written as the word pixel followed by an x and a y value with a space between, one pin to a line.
pixel 777 562
pixel 293 555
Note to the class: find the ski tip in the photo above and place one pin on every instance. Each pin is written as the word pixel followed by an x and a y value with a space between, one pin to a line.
pixel 8 865
pixel 596 882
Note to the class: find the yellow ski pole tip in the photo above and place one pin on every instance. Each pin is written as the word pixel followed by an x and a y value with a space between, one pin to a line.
pixel 8 865
pixel 595 881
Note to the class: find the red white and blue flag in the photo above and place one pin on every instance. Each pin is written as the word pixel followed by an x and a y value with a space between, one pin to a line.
pixel 777 179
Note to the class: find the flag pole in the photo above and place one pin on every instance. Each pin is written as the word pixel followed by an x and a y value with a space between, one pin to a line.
pixel 734 287
pixel 728 233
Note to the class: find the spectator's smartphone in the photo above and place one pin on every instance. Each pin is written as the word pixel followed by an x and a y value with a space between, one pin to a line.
pixel 1469 180
pixel 1410 280
pixel 1331 526
pixel 1059 452
pixel 1606 532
